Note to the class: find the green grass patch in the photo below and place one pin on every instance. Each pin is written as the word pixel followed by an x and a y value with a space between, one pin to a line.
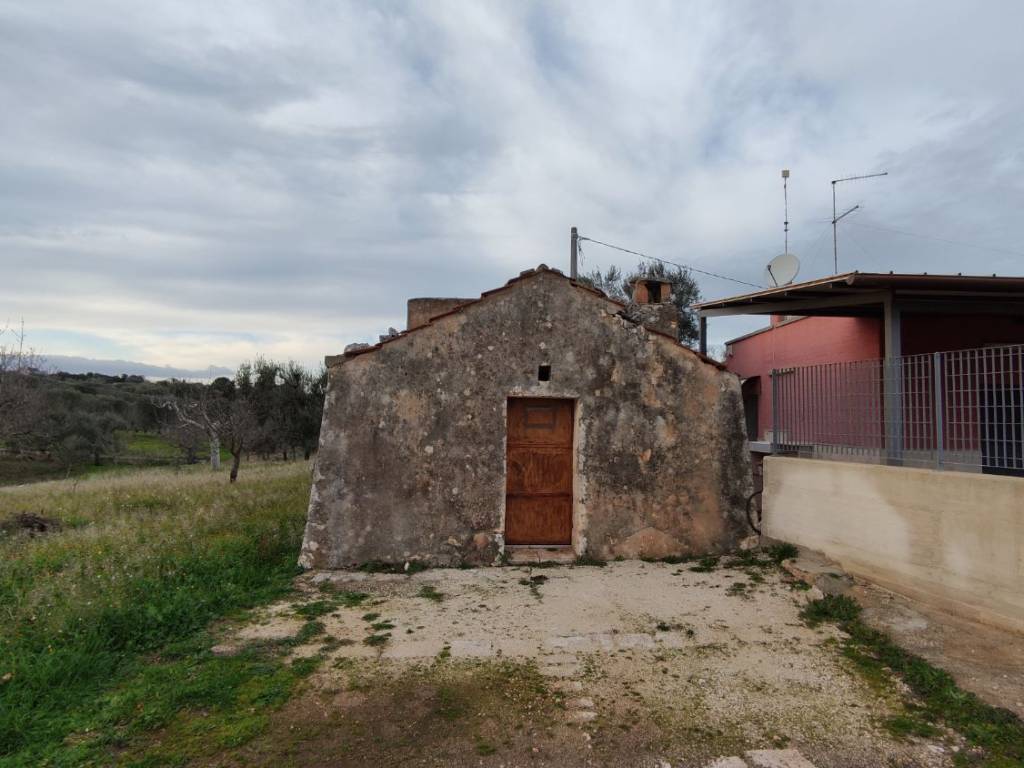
pixel 485 748
pixel 145 444
pixel 706 564
pixel 116 600
pixel 591 561
pixel 535 583
pixel 316 609
pixel 352 599
pixel 838 609
pixel 782 551
pixel 737 589
pixel 903 726
pixel 997 732
pixel 429 592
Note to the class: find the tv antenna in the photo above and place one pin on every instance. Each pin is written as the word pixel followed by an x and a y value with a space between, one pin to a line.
pixel 835 219
pixel 785 201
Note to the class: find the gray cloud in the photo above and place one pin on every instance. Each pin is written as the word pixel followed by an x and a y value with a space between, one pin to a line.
pixel 193 183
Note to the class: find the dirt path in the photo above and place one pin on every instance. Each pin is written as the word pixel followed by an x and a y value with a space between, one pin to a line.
pixel 629 664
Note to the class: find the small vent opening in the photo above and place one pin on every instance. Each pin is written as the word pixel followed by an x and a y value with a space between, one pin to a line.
pixel 544 373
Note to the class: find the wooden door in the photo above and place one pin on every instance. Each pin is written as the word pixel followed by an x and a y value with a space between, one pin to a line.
pixel 538 485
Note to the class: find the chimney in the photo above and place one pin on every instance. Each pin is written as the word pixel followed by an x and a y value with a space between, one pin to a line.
pixel 419 311
pixel 651 290
pixel 653 299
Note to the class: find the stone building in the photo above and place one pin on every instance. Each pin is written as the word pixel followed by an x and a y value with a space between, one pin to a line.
pixel 542 414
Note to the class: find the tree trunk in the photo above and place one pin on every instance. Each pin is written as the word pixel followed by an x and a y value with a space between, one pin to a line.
pixel 215 453
pixel 236 460
pixel 306 453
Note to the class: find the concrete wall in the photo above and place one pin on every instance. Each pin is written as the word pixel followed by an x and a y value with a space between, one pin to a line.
pixel 950 538
pixel 412 449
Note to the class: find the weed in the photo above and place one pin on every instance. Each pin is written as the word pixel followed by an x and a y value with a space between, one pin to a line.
pixel 675 559
pixel 380 626
pixel 333 643
pixel 737 589
pixel 429 592
pixel 998 732
pixel 371 616
pixel 315 609
pixel 782 551
pixel 451 702
pixel 377 640
pixel 833 608
pixel 485 748
pixel 902 726
pixel 351 599
pixel 307 632
pixel 706 564
pixel 590 560
pixel 445 653
pixel 534 583
pixel 379 566
pixel 747 558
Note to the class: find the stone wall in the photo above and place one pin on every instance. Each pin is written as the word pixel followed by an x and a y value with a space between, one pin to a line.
pixel 412 455
pixel 419 311
pixel 953 539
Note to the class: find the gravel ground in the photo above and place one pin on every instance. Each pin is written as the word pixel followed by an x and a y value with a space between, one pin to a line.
pixel 645 662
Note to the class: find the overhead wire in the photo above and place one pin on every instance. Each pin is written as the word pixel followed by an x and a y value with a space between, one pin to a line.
pixel 671 263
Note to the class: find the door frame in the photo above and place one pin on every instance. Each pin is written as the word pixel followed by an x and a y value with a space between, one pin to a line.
pixel 577 542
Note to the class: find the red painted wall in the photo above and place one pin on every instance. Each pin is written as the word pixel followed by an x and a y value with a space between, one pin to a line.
pixel 806 341
pixel 813 340
pixel 940 333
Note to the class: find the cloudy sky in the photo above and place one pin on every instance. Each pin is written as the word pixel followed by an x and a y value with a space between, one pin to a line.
pixel 192 183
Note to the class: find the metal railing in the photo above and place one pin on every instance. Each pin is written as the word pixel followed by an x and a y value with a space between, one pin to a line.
pixel 949 410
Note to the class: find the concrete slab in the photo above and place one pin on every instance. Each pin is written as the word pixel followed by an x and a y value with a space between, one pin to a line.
pixel 664 650
pixel 777 758
pixel 526 555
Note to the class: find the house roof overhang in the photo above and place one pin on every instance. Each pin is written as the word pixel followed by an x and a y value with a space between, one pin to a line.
pixel 864 294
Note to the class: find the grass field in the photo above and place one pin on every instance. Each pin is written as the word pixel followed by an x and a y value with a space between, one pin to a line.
pixel 138 449
pixel 103 643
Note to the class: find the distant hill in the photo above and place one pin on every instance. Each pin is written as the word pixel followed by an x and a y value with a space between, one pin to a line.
pixel 71 364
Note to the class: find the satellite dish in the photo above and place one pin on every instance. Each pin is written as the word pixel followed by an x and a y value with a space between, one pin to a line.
pixel 781 270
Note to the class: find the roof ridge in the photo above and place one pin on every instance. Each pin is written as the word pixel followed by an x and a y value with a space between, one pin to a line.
pixel 524 275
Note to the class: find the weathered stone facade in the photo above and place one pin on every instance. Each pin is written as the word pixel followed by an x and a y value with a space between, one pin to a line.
pixel 412 457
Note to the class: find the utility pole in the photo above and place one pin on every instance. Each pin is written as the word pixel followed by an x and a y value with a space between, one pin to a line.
pixel 835 219
pixel 573 253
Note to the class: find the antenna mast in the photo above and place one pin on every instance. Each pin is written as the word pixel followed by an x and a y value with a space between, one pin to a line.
pixel 785 199
pixel 835 219
pixel 573 253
